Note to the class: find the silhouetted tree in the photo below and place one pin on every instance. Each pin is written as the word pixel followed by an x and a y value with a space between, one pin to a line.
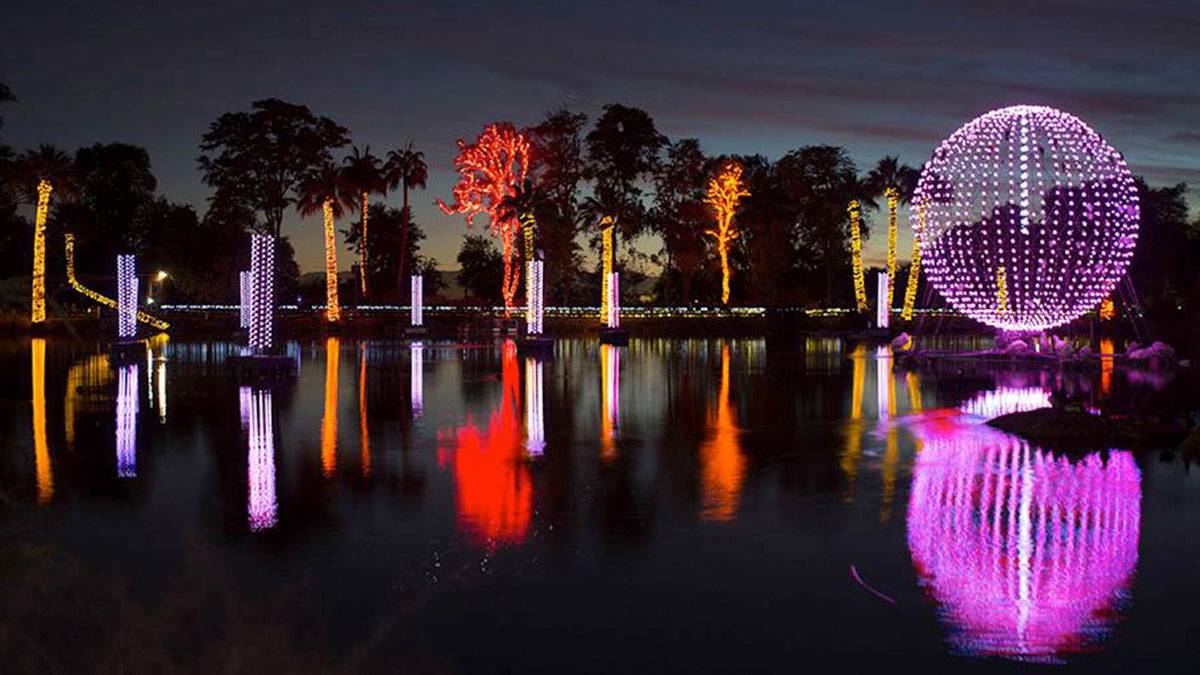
pixel 481 268
pixel 363 175
pixel 258 158
pixel 678 215
pixel 623 151
pixel 405 168
pixel 557 169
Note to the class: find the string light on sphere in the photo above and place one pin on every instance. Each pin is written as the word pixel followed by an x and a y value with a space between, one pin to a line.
pixel 1028 218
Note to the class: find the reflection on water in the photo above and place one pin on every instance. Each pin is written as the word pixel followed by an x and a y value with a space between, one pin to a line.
pixel 329 422
pixel 260 476
pixel 493 491
pixel 610 400
pixel 127 412
pixel 535 424
pixel 1025 552
pixel 591 471
pixel 41 448
pixel 721 461
pixel 416 383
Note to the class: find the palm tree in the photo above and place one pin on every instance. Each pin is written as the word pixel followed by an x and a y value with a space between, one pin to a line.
pixel 363 175
pixel 896 182
pixel 405 168
pixel 39 172
pixel 328 190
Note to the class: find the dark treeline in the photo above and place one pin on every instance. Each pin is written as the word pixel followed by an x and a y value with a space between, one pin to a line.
pixel 279 161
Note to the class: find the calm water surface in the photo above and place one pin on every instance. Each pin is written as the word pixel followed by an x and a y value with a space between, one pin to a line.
pixel 667 506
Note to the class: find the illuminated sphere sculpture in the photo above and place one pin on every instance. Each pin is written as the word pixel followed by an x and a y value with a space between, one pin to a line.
pixel 1026 218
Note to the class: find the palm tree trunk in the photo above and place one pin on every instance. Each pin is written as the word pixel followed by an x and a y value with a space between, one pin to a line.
pixel 403 239
pixel 37 304
pixel 332 311
pixel 362 251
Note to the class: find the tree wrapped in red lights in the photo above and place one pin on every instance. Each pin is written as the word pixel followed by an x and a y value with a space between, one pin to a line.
pixel 490 170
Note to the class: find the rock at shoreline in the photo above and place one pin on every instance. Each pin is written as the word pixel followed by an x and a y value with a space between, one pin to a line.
pixel 1078 428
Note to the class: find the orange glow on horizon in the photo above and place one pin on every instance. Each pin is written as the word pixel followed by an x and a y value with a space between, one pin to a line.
pixel 724 193
pixel 722 464
pixel 493 489
pixel 329 425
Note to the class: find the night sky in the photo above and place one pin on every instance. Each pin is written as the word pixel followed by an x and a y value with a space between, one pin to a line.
pixel 876 77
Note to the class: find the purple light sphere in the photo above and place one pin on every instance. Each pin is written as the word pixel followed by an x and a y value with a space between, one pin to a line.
pixel 1026 218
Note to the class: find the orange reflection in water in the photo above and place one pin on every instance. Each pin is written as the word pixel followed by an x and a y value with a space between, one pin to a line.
pixel 41 449
pixel 848 461
pixel 364 434
pixel 721 461
pixel 1106 367
pixel 610 400
pixel 493 492
pixel 329 418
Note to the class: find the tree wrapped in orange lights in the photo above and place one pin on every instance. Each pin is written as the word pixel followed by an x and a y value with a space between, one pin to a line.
pixel 490 170
pixel 724 192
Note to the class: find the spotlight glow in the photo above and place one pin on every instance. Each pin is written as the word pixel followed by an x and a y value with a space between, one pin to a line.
pixel 1032 198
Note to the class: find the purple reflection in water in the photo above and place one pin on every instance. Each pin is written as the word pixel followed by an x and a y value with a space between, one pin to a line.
pixel 1005 400
pixel 261 505
pixel 1026 553
pixel 127 410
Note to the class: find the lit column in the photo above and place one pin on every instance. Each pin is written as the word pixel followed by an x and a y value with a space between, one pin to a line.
pixel 38 299
pixel 127 410
pixel 245 284
pixel 127 297
pixel 417 378
pixel 534 299
pixel 261 502
pixel 882 309
pixel 535 428
pixel 606 266
pixel 262 282
pixel 417 315
pixel 612 318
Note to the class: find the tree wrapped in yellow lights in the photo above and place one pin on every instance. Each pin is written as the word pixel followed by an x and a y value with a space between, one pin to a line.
pixel 893 198
pixel 606 263
pixel 1001 290
pixel 856 261
pixel 328 189
pixel 725 190
pixel 914 271
pixel 38 298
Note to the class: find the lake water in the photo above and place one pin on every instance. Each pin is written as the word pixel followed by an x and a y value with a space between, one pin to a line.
pixel 673 505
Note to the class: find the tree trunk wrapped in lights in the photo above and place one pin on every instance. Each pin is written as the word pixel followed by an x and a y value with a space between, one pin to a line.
pixel 362 249
pixel 724 192
pixel 333 311
pixel 38 299
pixel 856 263
pixel 606 265
pixel 910 289
pixel 893 196
pixel 490 169
pixel 1001 291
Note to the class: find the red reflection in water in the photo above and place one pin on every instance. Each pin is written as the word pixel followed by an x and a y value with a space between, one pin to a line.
pixel 493 493
pixel 1026 553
